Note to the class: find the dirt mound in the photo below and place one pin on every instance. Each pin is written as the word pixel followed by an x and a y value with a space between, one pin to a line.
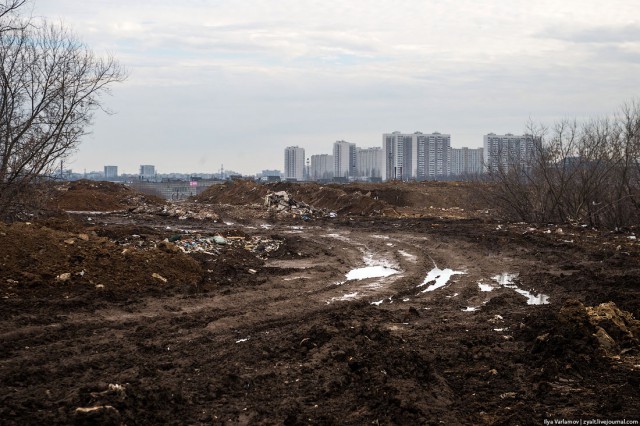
pixel 236 192
pixel 616 330
pixel 85 195
pixel 579 338
pixel 36 257
pixel 336 198
pixel 364 199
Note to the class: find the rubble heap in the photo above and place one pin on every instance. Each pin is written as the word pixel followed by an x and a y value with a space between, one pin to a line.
pixel 213 245
pixel 282 202
pixel 181 211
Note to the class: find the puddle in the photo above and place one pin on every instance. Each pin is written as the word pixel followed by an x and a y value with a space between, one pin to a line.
pixel 369 260
pixel 506 280
pixel 349 296
pixel 485 287
pixel 265 226
pixel 242 340
pixel 382 237
pixel 338 237
pixel 379 302
pixel 344 298
pixel 229 223
pixel 470 309
pixel 370 272
pixel 408 256
pixel 440 277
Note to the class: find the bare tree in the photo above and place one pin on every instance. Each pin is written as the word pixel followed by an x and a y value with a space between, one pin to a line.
pixel 51 85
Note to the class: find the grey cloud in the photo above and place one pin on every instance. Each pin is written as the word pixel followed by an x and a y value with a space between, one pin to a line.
pixel 600 34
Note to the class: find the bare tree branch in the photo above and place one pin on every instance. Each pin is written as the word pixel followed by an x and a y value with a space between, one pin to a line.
pixel 51 86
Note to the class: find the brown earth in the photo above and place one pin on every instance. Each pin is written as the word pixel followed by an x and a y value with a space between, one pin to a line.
pixel 448 199
pixel 86 195
pixel 131 317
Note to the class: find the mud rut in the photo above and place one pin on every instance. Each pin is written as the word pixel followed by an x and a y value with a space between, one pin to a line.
pixel 298 343
pixel 318 284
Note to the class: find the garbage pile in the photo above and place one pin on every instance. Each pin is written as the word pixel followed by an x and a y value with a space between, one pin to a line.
pixel 181 211
pixel 282 202
pixel 214 245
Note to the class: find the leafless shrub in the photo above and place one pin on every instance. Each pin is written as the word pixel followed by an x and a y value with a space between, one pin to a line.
pixel 585 173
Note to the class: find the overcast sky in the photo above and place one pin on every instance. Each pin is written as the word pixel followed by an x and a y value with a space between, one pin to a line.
pixel 234 82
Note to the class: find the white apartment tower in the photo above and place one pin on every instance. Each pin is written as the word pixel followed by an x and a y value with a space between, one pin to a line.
pixel 416 156
pixel 369 162
pixel 322 166
pixel 400 155
pixel 503 152
pixel 294 163
pixel 344 159
pixel 433 156
pixel 466 161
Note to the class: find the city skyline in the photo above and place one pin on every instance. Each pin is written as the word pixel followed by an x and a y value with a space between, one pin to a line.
pixel 233 83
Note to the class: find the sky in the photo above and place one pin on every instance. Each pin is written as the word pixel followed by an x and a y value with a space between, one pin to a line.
pixel 234 82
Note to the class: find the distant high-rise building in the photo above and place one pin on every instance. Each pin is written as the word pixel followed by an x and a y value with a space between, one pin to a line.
pixel 466 161
pixel 503 152
pixel 400 155
pixel 110 172
pixel 344 159
pixel 147 171
pixel 433 156
pixel 294 163
pixel 417 156
pixel 369 162
pixel 321 167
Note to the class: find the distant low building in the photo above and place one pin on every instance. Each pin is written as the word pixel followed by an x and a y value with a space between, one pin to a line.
pixel 110 172
pixel 147 172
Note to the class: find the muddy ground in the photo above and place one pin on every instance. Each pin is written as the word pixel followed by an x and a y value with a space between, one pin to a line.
pixel 126 311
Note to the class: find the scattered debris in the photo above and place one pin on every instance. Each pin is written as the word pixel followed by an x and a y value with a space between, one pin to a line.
pixel 64 277
pixel 159 277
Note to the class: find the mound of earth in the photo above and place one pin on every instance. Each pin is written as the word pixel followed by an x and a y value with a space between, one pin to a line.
pixel 37 258
pixel 85 195
pixel 363 199
pixel 236 192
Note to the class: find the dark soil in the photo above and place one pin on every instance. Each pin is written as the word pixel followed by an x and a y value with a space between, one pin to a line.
pixel 107 320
